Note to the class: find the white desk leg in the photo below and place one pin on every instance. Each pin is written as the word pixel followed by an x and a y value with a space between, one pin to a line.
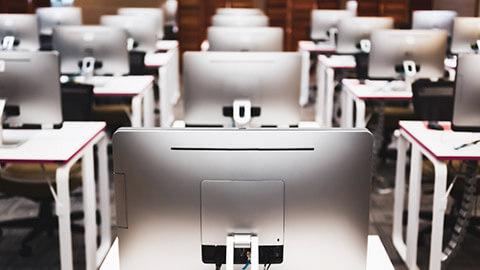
pixel 63 213
pixel 330 87
pixel 439 207
pixel 164 100
pixel 414 206
pixel 320 102
pixel 104 200
pixel 148 108
pixel 347 113
pixel 399 197
pixel 305 72
pixel 89 208
pixel 136 119
pixel 360 121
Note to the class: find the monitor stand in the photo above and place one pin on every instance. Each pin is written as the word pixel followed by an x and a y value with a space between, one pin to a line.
pixel 242 112
pixel 410 69
pixel 365 46
pixel 243 241
pixel 88 66
pixel 130 44
pixel 8 42
pixel 3 144
pixel 332 32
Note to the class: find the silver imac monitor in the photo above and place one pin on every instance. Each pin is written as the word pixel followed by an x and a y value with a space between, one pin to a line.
pixel 239 20
pixel 466 108
pixel 49 17
pixel 106 46
pixel 354 33
pixel 325 23
pixel 466 35
pixel 156 13
pixel 217 85
pixel 239 11
pixel 30 83
pixel 19 32
pixel 245 38
pixel 141 30
pixel 433 19
pixel 183 196
pixel 413 53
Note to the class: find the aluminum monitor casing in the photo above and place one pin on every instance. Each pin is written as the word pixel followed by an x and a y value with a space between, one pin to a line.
pixel 159 175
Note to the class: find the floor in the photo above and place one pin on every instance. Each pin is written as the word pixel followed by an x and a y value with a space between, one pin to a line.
pixel 45 248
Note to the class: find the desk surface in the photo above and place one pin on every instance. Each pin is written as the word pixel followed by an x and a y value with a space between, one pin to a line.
pixel 118 85
pixel 374 89
pixel 311 46
pixel 377 257
pixel 338 61
pixel 167 44
pixel 441 143
pixel 48 145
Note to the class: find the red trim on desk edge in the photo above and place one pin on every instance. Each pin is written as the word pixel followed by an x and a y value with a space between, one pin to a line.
pixel 125 94
pixel 443 158
pixel 53 161
pixel 390 98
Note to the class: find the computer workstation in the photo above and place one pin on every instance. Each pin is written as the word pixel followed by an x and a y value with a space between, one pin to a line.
pixel 98 55
pixel 50 17
pixel 19 32
pixel 353 48
pixel 269 211
pixel 225 89
pixel 455 140
pixel 37 134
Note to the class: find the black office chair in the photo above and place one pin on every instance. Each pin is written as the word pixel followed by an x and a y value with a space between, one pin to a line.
pixel 28 180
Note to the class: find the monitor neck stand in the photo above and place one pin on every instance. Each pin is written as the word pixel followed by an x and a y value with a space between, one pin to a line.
pixel 130 44
pixel 88 66
pixel 242 112
pixel 365 45
pixel 332 32
pixel 243 241
pixel 8 42
pixel 410 69
pixel 477 49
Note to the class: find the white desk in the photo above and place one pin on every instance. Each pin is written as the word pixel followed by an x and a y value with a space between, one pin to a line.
pixel 438 147
pixel 377 257
pixel 168 82
pixel 356 93
pixel 326 85
pixel 139 88
pixel 65 146
pixel 306 48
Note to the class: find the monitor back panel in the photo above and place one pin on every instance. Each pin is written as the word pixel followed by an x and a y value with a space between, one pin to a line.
pixel 213 80
pixel 466 107
pixel 324 175
pixel 30 81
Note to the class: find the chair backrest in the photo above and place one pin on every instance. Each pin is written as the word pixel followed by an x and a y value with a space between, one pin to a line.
pixel 433 101
pixel 77 101
pixel 137 64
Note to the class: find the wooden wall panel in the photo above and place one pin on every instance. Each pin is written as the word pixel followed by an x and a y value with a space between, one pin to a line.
pixel 22 6
pixel 398 9
pixel 466 8
pixel 93 9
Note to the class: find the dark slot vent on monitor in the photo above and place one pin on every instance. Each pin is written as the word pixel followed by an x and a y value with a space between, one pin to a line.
pixel 240 149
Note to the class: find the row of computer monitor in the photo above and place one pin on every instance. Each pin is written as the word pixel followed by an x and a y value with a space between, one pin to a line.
pixel 353 36
pixel 23 31
pixel 464 31
pixel 213 82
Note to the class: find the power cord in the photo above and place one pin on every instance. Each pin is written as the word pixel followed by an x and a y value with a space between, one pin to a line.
pixel 464 213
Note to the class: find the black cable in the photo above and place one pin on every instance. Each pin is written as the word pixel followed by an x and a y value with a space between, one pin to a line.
pixel 218 267
pixel 464 213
